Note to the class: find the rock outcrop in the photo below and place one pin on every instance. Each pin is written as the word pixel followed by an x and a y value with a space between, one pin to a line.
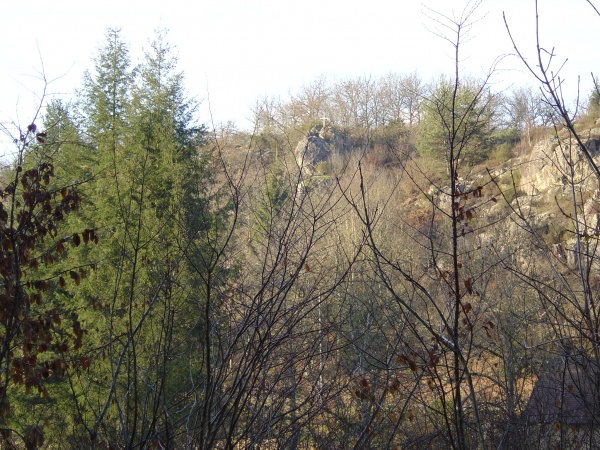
pixel 318 146
pixel 543 201
pixel 554 166
pixel 548 168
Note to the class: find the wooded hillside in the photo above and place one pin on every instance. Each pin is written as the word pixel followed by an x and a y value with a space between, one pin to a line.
pixel 382 263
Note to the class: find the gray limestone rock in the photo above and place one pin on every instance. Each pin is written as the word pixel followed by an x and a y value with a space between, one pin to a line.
pixel 317 146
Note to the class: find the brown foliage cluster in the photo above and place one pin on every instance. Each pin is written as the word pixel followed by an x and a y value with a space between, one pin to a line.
pixel 34 341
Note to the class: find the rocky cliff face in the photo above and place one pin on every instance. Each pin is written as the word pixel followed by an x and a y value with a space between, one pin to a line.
pixel 559 191
pixel 556 197
pixel 549 166
pixel 317 146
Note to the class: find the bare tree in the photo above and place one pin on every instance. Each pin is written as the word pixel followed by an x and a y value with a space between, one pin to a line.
pixel 551 84
pixel 443 302
pixel 568 297
pixel 404 96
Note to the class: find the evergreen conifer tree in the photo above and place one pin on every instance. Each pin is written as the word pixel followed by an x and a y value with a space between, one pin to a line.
pixel 139 125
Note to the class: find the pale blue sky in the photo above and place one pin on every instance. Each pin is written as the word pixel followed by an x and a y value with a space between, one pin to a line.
pixel 235 51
